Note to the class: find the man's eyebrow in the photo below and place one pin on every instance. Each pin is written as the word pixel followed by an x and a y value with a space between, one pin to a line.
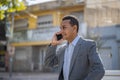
pixel 62 26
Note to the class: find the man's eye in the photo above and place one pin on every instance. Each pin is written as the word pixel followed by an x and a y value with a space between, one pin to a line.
pixel 64 27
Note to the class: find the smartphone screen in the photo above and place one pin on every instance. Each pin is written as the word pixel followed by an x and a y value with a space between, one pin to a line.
pixel 59 36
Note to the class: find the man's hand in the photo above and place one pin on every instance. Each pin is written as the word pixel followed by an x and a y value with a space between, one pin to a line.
pixel 55 41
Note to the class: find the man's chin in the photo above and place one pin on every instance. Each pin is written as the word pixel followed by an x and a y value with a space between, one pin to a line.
pixel 64 38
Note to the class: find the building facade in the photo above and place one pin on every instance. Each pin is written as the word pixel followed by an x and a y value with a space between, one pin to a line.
pixel 34 29
pixel 103 20
pixel 109 50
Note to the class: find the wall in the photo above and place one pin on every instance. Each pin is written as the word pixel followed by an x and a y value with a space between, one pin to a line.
pixel 22 59
pixel 109 36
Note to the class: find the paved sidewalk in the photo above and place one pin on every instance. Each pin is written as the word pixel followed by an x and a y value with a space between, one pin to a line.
pixel 29 76
pixel 109 75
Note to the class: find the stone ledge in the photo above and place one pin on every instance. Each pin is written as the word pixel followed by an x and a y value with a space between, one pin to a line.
pixel 112 72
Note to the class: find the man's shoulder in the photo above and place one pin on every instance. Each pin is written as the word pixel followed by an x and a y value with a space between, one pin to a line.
pixel 88 41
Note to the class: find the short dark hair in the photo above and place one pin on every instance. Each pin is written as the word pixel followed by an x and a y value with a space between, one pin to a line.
pixel 73 20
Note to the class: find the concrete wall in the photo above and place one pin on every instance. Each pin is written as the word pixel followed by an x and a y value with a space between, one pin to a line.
pixel 111 39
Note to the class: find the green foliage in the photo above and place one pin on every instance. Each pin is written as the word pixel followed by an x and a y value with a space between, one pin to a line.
pixel 10 6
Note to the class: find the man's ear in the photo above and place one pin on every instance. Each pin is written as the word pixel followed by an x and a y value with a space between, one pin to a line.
pixel 75 28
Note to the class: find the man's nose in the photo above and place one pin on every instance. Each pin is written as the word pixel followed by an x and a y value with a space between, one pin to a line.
pixel 61 30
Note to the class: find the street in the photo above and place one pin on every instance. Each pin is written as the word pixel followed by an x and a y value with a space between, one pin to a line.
pixel 29 76
pixel 109 75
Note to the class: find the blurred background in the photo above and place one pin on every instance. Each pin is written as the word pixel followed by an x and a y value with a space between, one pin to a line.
pixel 27 26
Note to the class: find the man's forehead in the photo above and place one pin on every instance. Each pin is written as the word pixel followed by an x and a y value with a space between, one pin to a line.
pixel 65 21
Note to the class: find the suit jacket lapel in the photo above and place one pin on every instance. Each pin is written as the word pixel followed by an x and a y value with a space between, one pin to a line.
pixel 75 52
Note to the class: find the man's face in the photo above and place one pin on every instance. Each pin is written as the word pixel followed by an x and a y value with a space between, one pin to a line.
pixel 67 30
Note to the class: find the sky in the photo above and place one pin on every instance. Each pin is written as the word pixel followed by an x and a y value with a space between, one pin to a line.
pixel 32 2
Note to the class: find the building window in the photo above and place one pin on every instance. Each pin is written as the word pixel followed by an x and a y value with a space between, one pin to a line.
pixel 45 21
pixel 21 24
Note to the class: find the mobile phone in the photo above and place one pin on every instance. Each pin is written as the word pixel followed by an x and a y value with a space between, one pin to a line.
pixel 59 36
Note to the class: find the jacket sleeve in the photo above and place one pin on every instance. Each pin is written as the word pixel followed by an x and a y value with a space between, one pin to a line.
pixel 96 67
pixel 51 59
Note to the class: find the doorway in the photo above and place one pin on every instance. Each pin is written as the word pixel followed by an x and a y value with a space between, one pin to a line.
pixel 38 57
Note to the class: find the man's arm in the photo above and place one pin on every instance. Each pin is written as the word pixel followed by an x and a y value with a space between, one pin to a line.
pixel 96 67
pixel 51 58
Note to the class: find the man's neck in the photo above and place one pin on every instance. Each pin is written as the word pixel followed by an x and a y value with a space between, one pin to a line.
pixel 72 38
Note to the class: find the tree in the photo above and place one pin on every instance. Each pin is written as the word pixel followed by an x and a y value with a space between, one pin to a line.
pixel 2 30
pixel 7 9
pixel 10 6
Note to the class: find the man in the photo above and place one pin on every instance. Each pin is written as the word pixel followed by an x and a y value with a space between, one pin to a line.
pixel 78 59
